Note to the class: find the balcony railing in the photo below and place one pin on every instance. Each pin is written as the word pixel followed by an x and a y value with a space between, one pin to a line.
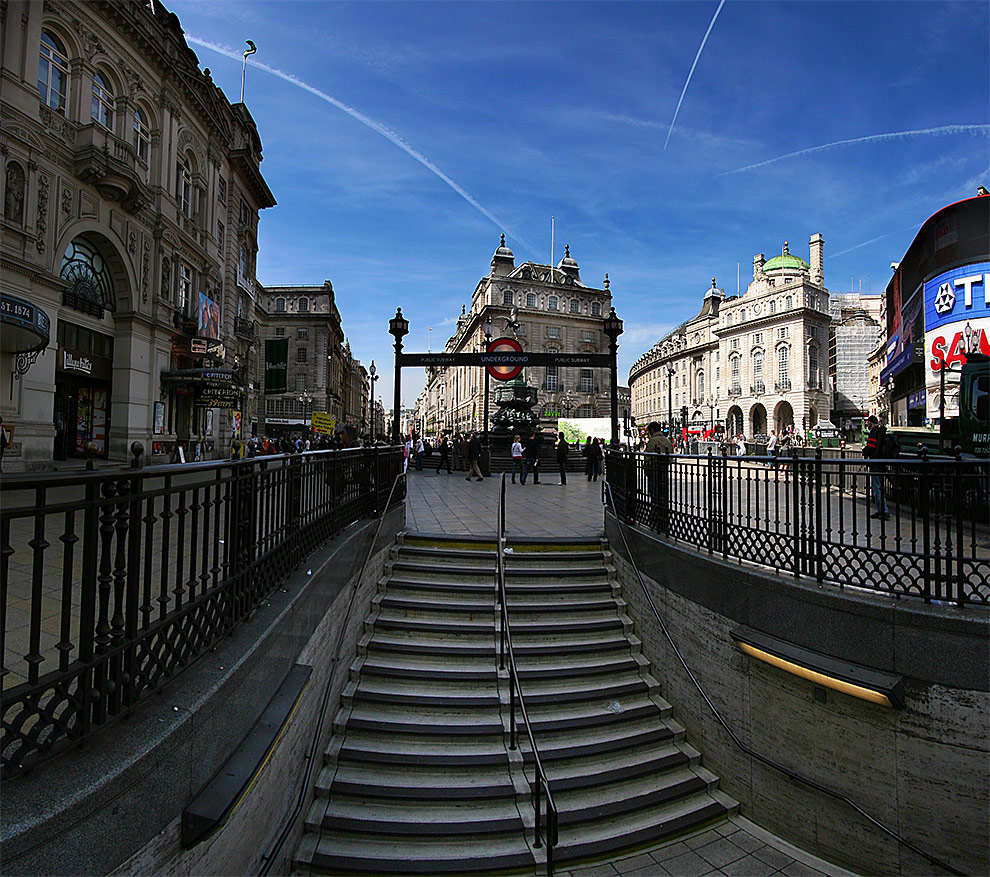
pixel 758 389
pixel 817 517
pixel 734 392
pixel 783 386
pixel 244 328
pixel 143 570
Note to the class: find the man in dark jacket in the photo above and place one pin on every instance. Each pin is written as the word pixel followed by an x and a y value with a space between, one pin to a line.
pixel 474 457
pixel 873 449
pixel 444 448
pixel 531 454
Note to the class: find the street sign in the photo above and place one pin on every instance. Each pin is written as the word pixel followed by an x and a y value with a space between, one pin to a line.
pixel 323 423
pixel 504 372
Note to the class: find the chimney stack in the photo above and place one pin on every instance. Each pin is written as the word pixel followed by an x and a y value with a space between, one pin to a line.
pixel 817 260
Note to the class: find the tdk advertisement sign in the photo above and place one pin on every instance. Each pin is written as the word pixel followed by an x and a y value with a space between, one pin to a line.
pixel 957 316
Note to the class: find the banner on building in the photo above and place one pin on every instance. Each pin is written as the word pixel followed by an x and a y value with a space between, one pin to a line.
pixel 209 317
pixel 276 361
pixel 323 423
pixel 235 424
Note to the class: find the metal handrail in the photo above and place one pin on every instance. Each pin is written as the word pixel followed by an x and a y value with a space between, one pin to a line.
pixel 791 774
pixel 312 759
pixel 540 782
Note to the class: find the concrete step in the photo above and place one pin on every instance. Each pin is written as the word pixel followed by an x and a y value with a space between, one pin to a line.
pixel 548 718
pixel 460 693
pixel 348 813
pixel 471 604
pixel 457 752
pixel 428 782
pixel 376 853
pixel 593 838
pixel 642 732
pixel 476 668
pixel 407 642
pixel 566 666
pixel 523 605
pixel 443 573
pixel 607 768
pixel 421 721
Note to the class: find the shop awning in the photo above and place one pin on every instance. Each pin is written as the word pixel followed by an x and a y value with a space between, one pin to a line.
pixel 26 327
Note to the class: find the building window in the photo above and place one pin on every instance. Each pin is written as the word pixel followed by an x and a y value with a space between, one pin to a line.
pixel 587 384
pixel 587 411
pixel 300 383
pixel 701 386
pixel 734 368
pixel 788 302
pixel 53 72
pixel 506 297
pixel 302 334
pixel 279 331
pixel 531 300
pixel 773 307
pixel 587 335
pixel 142 137
pixel 734 344
pixel 552 303
pixel 782 332
pixel 596 309
pixel 813 331
pixel 300 354
pixel 757 338
pixel 183 192
pixel 742 315
pixel 185 287
pixel 553 332
pixel 575 306
pixel 220 232
pixel 244 212
pixel 101 109
pixel 280 305
pixel 222 190
pixel 813 367
pixel 303 305
pixel 553 379
pixel 522 329
pixel 90 286
pixel 782 356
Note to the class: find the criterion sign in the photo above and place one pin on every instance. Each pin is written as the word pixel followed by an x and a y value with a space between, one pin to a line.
pixel 504 345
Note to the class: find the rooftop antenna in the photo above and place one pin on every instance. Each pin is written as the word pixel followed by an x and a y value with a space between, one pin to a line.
pixel 250 50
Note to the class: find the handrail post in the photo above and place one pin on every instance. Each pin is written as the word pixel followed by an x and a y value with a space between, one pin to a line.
pixel 819 547
pixel 924 510
pixel 796 512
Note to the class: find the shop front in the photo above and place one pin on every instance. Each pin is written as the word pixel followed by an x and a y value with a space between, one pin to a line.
pixel 82 403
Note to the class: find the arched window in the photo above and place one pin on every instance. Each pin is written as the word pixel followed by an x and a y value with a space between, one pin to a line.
pixel 279 305
pixel 53 72
pixel 101 109
pixel 90 285
pixel 813 367
pixel 531 300
pixel 575 306
pixel 783 353
pixel 506 297
pixel 183 186
pixel 142 136
pixel 596 309
pixel 13 199
pixel 303 305
pixel 788 302
pixel 734 371
pixel 758 371
pixel 701 385
pixel 742 315
pixel 773 306
pixel 552 303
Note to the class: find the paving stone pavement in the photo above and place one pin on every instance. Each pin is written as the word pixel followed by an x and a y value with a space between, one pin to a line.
pixel 448 504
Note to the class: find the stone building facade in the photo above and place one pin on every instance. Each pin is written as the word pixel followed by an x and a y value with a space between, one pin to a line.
pixel 554 311
pixel 316 361
pixel 132 189
pixel 746 363
pixel 853 337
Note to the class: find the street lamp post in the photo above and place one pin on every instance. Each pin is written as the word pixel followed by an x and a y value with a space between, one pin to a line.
pixel 488 338
pixel 612 326
pixel 306 397
pixel 670 407
pixel 373 375
pixel 568 403
pixel 711 405
pixel 398 328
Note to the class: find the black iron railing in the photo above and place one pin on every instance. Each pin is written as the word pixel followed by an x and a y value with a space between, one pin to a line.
pixel 113 581
pixel 543 836
pixel 819 518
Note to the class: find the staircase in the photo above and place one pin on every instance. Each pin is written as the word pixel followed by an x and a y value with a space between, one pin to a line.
pixel 418 777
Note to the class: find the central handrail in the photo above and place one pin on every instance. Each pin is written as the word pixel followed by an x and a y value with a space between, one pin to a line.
pixel 609 500
pixel 541 785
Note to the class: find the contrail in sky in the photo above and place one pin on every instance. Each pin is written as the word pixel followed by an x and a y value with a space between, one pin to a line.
pixel 387 133
pixel 872 138
pixel 687 82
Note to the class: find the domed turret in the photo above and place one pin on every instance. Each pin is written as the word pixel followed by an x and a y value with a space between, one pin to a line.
pixel 785 262
pixel 567 264
pixel 503 261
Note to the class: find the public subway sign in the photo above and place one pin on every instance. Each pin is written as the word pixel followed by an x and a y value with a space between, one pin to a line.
pixel 505 358
pixel 957 316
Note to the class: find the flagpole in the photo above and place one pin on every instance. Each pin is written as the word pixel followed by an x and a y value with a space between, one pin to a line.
pixel 250 50
pixel 551 250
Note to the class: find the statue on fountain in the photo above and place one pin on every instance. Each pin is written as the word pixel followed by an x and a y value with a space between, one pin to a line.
pixel 515 400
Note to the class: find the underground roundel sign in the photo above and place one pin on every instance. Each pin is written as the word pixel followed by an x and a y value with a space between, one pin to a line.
pixel 504 345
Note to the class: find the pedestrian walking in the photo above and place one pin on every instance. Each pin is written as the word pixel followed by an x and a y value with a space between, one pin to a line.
pixel 420 450
pixel 871 450
pixel 589 465
pixel 740 445
pixel 517 459
pixel 562 450
pixel 474 457
pixel 658 443
pixel 465 448
pixel 597 455
pixel 531 456
pixel 456 451
pixel 407 452
pixel 444 448
pixel 772 449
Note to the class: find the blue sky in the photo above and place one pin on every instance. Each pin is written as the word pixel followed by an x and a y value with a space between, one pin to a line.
pixel 404 137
